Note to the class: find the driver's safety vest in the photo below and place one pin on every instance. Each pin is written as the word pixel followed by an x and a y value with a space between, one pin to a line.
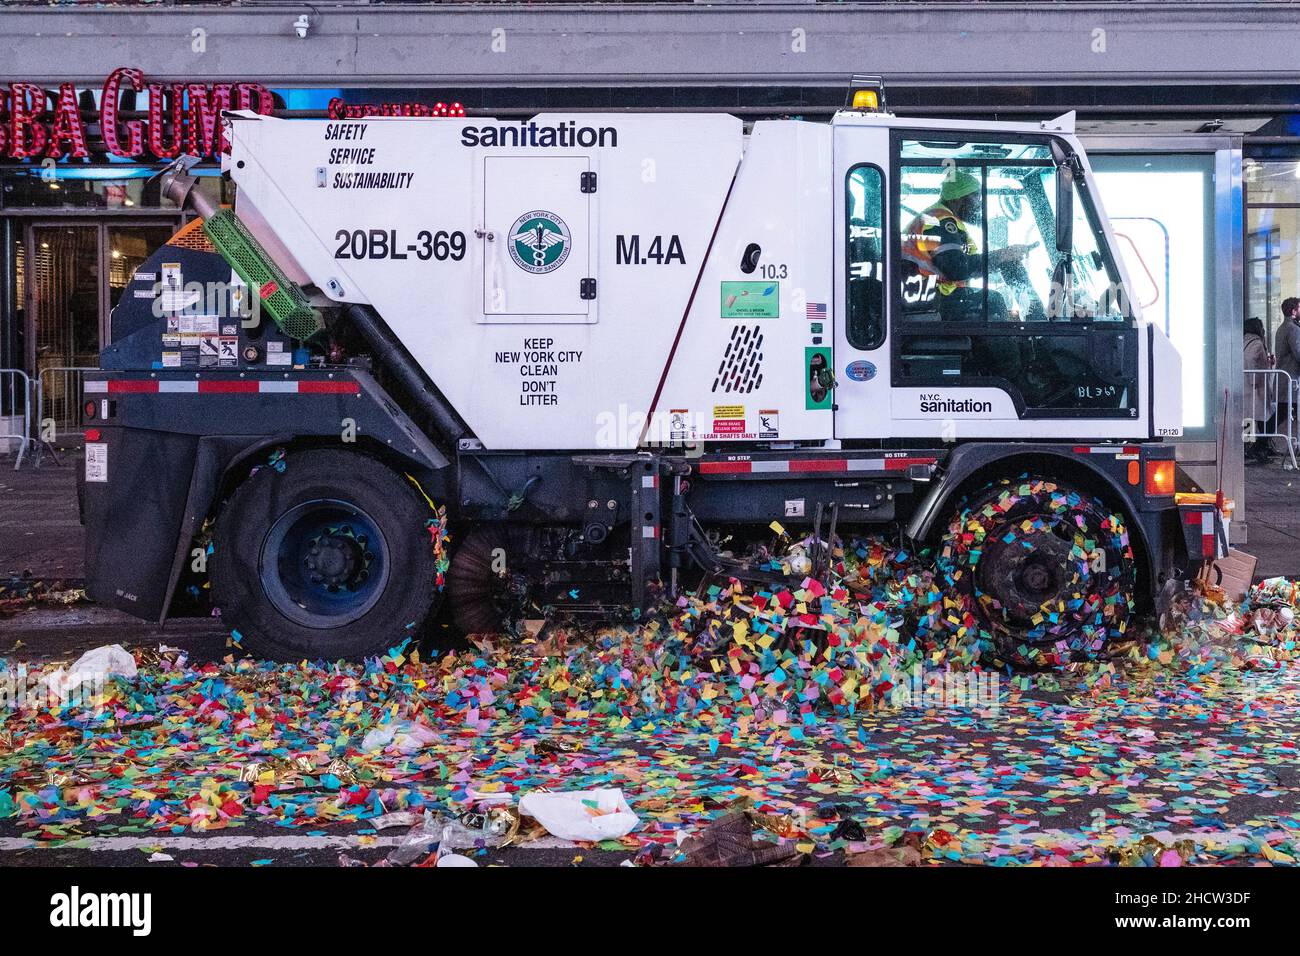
pixel 934 231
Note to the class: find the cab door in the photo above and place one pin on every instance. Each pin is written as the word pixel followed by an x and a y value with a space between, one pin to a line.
pixel 1009 317
pixel 861 300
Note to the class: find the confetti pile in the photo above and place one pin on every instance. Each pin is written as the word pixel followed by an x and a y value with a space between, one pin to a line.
pixel 21 592
pixel 860 717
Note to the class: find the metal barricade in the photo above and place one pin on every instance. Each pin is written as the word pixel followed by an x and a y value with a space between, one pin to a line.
pixel 1274 407
pixel 16 406
pixel 60 390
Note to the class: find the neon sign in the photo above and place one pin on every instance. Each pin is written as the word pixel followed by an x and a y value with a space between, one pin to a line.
pixel 182 118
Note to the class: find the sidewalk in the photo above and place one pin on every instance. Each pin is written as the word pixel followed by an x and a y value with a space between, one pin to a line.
pixel 41 534
pixel 1273 515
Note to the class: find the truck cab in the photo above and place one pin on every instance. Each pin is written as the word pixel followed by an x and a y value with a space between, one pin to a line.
pixel 1035 338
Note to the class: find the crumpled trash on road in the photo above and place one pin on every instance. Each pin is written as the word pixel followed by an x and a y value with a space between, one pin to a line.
pixel 493 827
pixel 106 661
pixel 582 815
pixel 420 841
pixel 92 667
pixel 729 841
pixel 404 736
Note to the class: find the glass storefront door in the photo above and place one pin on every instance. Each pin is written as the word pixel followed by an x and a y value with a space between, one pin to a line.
pixel 64 287
pixel 75 271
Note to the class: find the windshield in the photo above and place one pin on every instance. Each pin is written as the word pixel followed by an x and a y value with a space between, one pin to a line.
pixel 979 237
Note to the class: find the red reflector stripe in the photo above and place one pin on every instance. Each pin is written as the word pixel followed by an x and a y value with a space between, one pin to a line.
pixel 901 464
pixel 330 388
pixel 819 464
pixel 132 385
pixel 227 386
pixel 724 468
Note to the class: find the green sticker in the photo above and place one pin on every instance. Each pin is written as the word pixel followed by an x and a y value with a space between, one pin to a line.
pixel 751 300
pixel 819 379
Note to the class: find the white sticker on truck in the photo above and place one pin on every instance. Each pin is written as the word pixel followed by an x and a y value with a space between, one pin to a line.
pixel 96 461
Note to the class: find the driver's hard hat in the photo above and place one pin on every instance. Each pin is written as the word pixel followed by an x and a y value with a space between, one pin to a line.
pixel 958 185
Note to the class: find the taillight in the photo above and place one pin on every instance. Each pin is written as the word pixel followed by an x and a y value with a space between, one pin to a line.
pixel 92 434
pixel 89 409
pixel 1159 477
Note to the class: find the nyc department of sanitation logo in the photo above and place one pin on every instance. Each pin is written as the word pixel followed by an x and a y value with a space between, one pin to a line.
pixel 539 242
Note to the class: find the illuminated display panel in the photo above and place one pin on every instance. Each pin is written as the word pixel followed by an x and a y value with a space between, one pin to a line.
pixel 1161 208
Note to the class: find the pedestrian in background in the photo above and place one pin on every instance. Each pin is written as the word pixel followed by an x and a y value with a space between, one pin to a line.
pixel 1286 353
pixel 1259 403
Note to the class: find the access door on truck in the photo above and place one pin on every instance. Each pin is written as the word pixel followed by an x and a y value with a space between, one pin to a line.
pixel 537 259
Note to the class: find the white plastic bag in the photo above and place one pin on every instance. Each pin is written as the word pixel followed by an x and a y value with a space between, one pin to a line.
pixel 406 735
pixel 92 667
pixel 103 662
pixel 572 816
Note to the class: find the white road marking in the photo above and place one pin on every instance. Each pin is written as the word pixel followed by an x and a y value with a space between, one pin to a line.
pixel 227 842
pixel 353 841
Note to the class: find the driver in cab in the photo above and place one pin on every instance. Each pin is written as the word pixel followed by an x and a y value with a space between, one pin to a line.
pixel 939 243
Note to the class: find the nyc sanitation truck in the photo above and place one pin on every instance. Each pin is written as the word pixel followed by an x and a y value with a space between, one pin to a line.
pixel 603 352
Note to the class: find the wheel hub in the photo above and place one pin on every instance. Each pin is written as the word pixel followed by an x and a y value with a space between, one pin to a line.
pixel 324 563
pixel 1025 573
pixel 1036 579
pixel 336 559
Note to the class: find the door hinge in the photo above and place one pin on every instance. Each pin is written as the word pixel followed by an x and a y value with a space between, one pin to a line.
pixel 587 289
pixel 587 182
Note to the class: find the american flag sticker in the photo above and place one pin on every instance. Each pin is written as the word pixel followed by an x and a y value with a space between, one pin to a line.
pixel 816 311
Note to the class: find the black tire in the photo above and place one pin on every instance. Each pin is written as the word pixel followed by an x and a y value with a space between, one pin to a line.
pixel 1045 568
pixel 370 582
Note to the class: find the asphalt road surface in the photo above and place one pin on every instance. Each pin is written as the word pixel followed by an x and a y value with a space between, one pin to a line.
pixel 1047 771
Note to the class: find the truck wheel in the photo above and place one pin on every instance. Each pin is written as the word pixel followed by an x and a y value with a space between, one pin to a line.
pixel 328 559
pixel 1047 569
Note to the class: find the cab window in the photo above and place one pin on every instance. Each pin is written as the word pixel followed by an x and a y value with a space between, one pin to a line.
pixel 863 207
pixel 987 284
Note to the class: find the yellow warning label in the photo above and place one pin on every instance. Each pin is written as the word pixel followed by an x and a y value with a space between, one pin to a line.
pixel 728 411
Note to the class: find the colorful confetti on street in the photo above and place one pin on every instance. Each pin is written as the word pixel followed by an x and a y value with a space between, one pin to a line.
pixel 853 722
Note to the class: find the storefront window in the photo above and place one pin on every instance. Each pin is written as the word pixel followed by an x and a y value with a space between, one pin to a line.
pixel 78 234
pixel 1272 232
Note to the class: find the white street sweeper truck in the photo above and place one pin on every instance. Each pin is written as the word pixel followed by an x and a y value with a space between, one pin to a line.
pixel 605 351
